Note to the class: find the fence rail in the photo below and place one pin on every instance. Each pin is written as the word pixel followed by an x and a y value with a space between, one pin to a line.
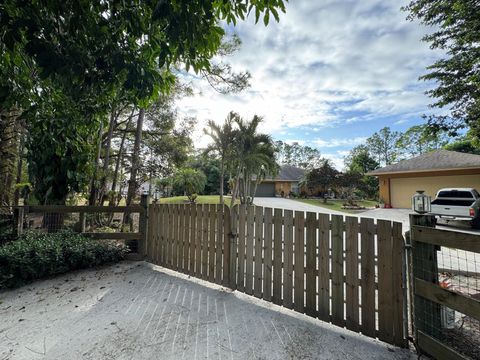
pixel 446 316
pixel 315 264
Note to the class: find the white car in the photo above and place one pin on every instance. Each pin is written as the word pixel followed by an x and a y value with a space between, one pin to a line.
pixel 457 204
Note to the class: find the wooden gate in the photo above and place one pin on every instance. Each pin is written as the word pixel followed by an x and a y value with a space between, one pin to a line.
pixel 446 313
pixel 347 271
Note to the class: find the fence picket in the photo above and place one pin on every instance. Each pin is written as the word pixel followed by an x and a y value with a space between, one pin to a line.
pixel 249 250
pixel 323 267
pixel 288 259
pixel 219 241
pixel 175 236
pixel 205 222
pixel 311 265
pixel 385 286
pixel 277 256
pixel 193 231
pixel 241 209
pixel 337 271
pixel 367 231
pixel 267 266
pixel 398 261
pixel 211 245
pixel 351 269
pixel 258 251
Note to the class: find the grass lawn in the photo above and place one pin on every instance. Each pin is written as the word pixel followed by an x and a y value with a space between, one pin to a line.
pixel 337 204
pixel 201 199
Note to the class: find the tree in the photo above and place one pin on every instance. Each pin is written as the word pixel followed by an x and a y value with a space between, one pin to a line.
pixel 78 56
pixel 466 144
pixel 294 154
pixel 211 168
pixel 324 177
pixel 418 140
pixel 190 181
pixel 222 140
pixel 253 158
pixel 383 145
pixel 358 163
pixel 455 25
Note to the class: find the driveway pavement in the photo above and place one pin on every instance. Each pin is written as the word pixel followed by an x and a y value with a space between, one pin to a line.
pixel 140 311
pixel 289 204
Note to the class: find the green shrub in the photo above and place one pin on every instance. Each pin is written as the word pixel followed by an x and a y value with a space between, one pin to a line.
pixel 37 255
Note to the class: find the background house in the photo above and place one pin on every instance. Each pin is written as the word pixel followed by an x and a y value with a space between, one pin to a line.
pixel 286 182
pixel 429 172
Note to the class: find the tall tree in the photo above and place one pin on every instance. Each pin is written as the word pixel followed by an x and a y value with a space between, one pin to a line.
pixel 222 144
pixel 419 139
pixel 295 154
pixel 324 177
pixel 383 145
pixel 358 163
pixel 455 25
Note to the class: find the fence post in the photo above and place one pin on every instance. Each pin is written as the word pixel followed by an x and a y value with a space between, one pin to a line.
pixel 143 225
pixel 82 222
pixel 427 314
pixel 19 217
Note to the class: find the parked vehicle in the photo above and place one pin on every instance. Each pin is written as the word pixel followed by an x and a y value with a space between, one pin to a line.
pixel 458 204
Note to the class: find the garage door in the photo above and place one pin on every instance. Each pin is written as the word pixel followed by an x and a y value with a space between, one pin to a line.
pixel 265 190
pixel 402 190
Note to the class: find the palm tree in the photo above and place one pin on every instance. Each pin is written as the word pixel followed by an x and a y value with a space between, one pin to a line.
pixel 223 138
pixel 254 156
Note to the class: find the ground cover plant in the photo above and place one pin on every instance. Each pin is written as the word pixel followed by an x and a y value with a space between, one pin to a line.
pixel 37 255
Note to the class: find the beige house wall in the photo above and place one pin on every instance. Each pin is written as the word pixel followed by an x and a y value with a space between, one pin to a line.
pixel 402 189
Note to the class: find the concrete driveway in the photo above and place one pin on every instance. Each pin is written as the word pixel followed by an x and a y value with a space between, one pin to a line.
pixel 289 204
pixel 140 311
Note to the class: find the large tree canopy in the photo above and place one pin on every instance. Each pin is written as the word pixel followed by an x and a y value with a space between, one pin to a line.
pixel 456 25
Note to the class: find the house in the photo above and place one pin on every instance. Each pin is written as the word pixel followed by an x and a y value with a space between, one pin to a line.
pixel 429 172
pixel 286 182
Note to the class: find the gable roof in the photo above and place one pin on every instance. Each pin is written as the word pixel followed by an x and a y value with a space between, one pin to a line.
pixel 438 160
pixel 288 173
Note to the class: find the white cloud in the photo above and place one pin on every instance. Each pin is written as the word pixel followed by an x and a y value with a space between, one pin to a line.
pixel 326 64
pixel 331 143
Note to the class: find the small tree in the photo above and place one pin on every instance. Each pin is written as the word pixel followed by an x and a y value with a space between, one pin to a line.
pixel 191 181
pixel 324 177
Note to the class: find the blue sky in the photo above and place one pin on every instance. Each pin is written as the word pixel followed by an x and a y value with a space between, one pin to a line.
pixel 328 75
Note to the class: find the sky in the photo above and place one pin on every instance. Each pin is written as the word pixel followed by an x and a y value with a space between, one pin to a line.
pixel 328 75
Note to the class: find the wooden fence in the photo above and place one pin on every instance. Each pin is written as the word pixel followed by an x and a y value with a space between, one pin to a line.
pixel 347 271
pixel 430 297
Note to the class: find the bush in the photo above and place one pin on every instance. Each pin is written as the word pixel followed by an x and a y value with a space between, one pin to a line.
pixel 37 255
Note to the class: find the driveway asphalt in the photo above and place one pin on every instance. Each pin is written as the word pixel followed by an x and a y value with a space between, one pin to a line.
pixel 139 311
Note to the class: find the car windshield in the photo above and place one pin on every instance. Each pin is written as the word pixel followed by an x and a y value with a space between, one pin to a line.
pixel 455 194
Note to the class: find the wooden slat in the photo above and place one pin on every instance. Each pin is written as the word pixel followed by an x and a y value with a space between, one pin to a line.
pixel 186 239
pixel 158 224
pixel 436 348
pixel 385 285
pixel 165 235
pixel 311 265
pixel 398 263
pixel 268 255
pixel 84 208
pixel 249 244
pixel 277 256
pixel 368 276
pixel 288 259
pixel 193 235
pixel 447 238
pixel 205 234
pixel 198 242
pixel 258 251
pixel 456 301
pixel 181 239
pixel 299 263
pixel 233 251
pixel 219 245
pixel 161 250
pixel 114 236
pixel 324 267
pixel 211 243
pixel 169 235
pixel 175 237
pixel 227 229
pixel 351 270
pixel 241 209
pixel 337 271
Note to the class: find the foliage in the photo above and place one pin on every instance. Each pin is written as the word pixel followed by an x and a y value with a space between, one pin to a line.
pixel 456 34
pixel 418 140
pixel 211 168
pixel 304 157
pixel 38 255
pixel 325 177
pixel 190 181
pixel 464 145
pixel 359 161
pixel 383 146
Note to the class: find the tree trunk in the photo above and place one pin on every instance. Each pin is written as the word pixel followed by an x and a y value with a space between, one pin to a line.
pixel 93 184
pixel 235 188
pixel 132 183
pixel 19 166
pixel 106 160
pixel 8 153
pixel 117 164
